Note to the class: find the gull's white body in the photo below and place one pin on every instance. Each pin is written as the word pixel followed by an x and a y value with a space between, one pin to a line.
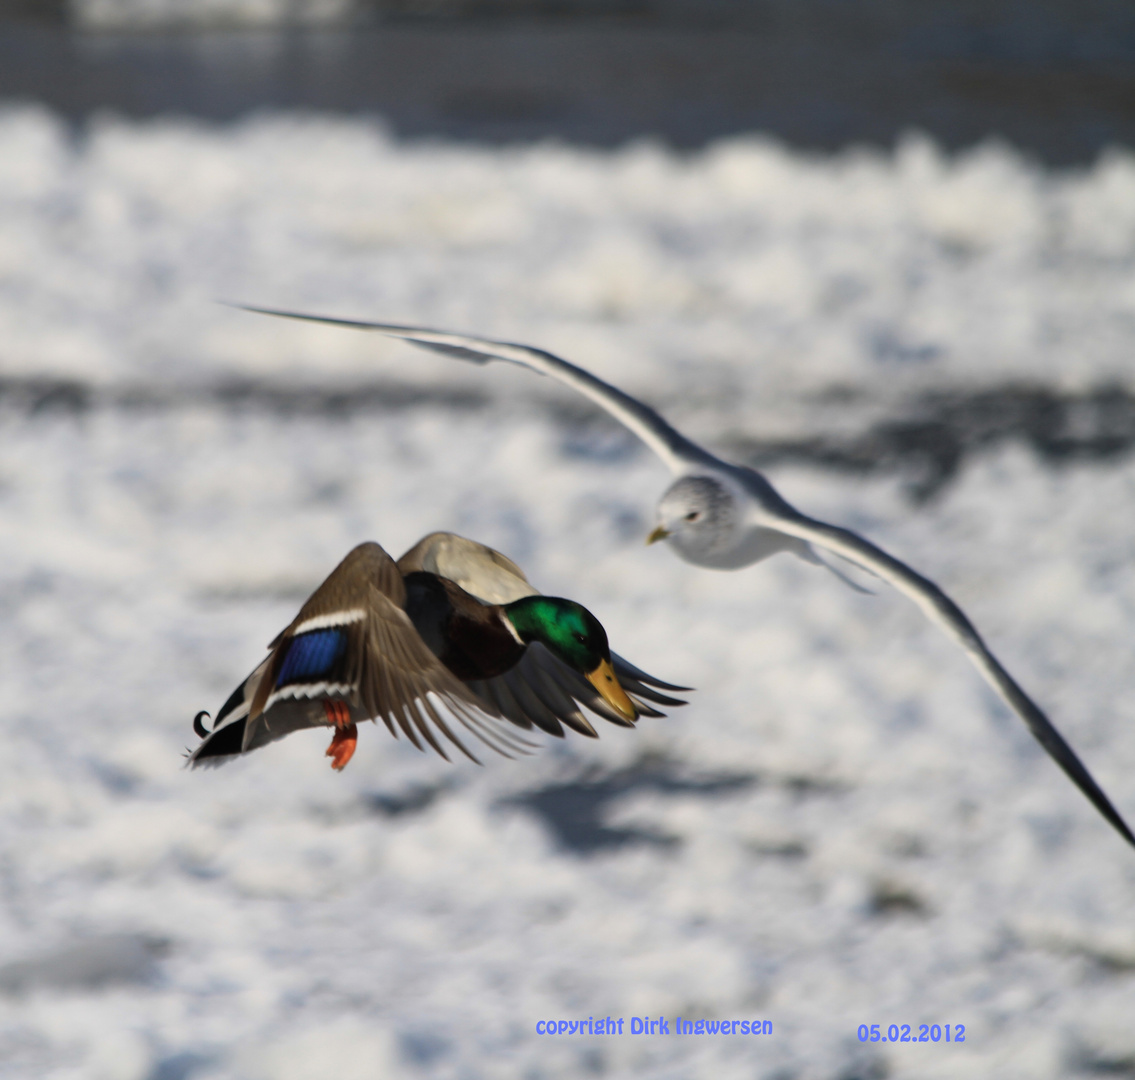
pixel 735 528
pixel 725 517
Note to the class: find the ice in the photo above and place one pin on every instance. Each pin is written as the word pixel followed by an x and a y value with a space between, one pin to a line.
pixel 844 826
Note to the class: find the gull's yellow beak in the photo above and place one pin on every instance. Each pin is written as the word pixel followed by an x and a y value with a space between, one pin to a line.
pixel 659 533
pixel 603 679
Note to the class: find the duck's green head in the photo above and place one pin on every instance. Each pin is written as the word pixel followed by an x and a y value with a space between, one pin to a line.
pixel 571 633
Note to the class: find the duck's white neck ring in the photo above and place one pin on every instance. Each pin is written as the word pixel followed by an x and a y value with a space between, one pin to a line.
pixel 511 629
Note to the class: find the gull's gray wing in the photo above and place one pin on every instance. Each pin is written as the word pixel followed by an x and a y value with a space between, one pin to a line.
pixel 678 452
pixel 940 609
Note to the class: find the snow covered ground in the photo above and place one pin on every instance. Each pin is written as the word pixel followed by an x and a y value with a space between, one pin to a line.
pixel 843 826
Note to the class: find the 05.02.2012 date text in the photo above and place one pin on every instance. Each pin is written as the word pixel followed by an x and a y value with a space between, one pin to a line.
pixel 931 1033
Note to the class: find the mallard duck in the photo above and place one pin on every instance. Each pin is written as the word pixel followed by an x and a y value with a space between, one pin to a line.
pixel 725 517
pixel 454 623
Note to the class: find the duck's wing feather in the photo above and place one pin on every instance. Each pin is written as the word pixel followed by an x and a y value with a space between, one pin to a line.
pixel 480 570
pixel 352 642
pixel 542 691
pixel 940 609
pixel 678 452
pixel 636 681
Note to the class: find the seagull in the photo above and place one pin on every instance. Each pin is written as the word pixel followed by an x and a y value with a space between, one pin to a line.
pixel 452 622
pixel 724 517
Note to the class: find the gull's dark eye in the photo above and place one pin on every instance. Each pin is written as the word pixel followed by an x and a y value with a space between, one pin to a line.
pixel 693 515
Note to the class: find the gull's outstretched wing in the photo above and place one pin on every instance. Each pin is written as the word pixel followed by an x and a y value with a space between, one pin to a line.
pixel 940 609
pixel 671 446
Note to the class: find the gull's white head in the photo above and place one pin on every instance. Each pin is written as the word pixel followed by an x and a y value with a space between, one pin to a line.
pixel 698 515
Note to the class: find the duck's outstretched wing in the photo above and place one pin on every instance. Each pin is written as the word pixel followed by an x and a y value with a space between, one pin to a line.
pixel 480 570
pixel 679 453
pixel 941 610
pixel 540 691
pixel 352 643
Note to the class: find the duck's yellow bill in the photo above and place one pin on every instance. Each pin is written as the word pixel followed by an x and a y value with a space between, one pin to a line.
pixel 603 679
pixel 659 534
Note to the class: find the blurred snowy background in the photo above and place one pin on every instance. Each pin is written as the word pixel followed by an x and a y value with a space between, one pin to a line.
pixel 844 826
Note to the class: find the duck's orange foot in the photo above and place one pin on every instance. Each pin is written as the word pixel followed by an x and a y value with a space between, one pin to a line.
pixel 346 737
pixel 338 714
pixel 343 745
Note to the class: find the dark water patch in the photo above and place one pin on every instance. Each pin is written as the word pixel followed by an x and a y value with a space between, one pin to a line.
pixel 927 442
pixel 405 803
pixel 48 397
pixel 779 849
pixel 117 781
pixel 413 800
pixel 804 786
pixel 363 398
pixel 1113 957
pixel 37 397
pixel 891 898
pixel 90 964
pixel 945 428
pixel 872 1069
pixel 591 438
pixel 573 811
pixel 1099 1061
pixel 1055 77
pixel 424 1048
pixel 181 1066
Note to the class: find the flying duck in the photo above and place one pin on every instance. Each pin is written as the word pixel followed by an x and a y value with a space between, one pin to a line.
pixel 452 623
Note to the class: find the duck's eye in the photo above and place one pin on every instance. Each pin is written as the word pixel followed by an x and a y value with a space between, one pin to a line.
pixel 581 638
pixel 693 515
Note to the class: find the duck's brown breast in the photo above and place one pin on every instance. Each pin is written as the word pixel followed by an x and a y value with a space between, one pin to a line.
pixel 468 637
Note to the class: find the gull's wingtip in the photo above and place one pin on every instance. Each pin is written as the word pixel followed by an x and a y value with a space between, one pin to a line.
pixel 237 306
pixel 1111 816
pixel 1125 832
pixel 356 324
pixel 256 309
pixel 460 346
